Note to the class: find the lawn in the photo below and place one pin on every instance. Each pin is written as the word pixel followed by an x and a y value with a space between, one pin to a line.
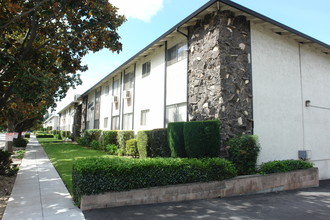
pixel 62 154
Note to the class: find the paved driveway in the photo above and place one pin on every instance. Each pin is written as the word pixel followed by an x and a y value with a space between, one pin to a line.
pixel 311 204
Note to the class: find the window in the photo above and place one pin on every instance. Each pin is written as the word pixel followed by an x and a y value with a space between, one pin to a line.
pixel 144 117
pixel 176 53
pixel 116 87
pixel 96 124
pixel 115 123
pixel 105 122
pixel 146 69
pixel 106 91
pixel 128 81
pixel 176 112
pixel 128 121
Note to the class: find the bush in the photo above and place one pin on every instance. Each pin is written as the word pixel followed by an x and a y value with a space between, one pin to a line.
pixel 131 148
pixel 20 142
pixel 59 136
pixel 109 137
pixel 175 139
pixel 94 134
pixel 283 166
pixel 202 138
pixel 65 134
pixel 159 144
pixel 44 136
pixel 120 174
pixel 143 143
pixel 153 143
pixel 111 149
pixel 122 137
pixel 5 162
pixel 243 152
pixel 96 145
pixel 27 135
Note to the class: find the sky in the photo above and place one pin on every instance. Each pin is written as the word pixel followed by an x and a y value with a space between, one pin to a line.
pixel 149 19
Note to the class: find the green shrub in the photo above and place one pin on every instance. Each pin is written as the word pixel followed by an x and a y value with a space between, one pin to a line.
pixel 5 162
pixel 45 136
pixel 176 139
pixel 120 174
pixel 243 152
pixel 283 166
pixel 111 149
pixel 122 137
pixel 109 137
pixel 131 148
pixel 159 144
pixel 153 143
pixel 59 136
pixel 202 138
pixel 86 139
pixel 20 142
pixel 27 135
pixel 120 152
pixel 95 134
pixel 96 145
pixel 144 143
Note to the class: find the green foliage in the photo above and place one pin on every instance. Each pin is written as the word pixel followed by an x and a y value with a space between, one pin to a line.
pixel 120 174
pixel 27 135
pixel 159 143
pixel 144 143
pixel 96 145
pixel 131 148
pixel 65 134
pixel 59 136
pixel 5 162
pixel 111 149
pixel 21 143
pixel 19 154
pixel 283 166
pixel 109 137
pixel 94 134
pixel 120 152
pixel 44 135
pixel 153 143
pixel 243 152
pixel 202 138
pixel 176 139
pixel 122 137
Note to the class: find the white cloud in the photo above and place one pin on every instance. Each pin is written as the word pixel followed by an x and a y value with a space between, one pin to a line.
pixel 142 9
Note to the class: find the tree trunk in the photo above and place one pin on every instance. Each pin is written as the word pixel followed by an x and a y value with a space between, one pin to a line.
pixel 10 129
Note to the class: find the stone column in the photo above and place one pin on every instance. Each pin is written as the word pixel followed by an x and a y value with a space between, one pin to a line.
pixel 219 73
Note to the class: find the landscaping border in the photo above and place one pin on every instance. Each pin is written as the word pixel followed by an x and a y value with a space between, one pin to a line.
pixel 241 185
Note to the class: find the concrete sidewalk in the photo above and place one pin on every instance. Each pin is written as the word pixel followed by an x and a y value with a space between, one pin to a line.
pixel 39 192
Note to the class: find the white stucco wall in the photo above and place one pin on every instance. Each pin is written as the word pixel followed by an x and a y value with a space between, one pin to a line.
pixel 90 110
pixel 149 91
pixel 105 107
pixel 284 76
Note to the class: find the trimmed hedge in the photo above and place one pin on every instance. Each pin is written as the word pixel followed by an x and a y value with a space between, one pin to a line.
pixel 27 135
pixel 5 162
pixel 131 148
pixel 120 174
pixel 153 143
pixel 94 134
pixel 176 139
pixel 109 137
pixel 243 152
pixel 122 137
pixel 143 143
pixel 20 142
pixel 45 136
pixel 202 138
pixel 279 166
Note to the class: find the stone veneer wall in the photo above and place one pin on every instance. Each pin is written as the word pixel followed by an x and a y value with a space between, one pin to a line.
pixel 219 73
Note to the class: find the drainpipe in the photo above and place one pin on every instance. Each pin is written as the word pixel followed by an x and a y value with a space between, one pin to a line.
pixel 187 36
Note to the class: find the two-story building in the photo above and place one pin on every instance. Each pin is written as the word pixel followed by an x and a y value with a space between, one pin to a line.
pixel 225 62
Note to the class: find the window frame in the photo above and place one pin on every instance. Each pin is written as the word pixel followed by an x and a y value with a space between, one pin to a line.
pixel 144 117
pixel 146 68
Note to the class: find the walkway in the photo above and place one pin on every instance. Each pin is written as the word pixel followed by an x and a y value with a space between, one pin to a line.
pixel 39 193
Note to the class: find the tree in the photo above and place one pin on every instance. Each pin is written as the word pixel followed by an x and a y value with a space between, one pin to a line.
pixel 42 43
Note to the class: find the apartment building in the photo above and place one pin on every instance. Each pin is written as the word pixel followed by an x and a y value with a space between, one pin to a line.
pixel 225 62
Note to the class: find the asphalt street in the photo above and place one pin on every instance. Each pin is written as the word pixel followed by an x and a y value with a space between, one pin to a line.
pixel 306 204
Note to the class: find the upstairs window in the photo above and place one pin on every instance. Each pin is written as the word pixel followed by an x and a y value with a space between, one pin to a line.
pixel 106 91
pixel 128 81
pixel 146 69
pixel 116 87
pixel 144 117
pixel 176 53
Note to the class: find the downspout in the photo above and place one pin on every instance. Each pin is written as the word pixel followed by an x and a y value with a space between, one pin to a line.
pixel 120 105
pixel 134 96
pixel 302 99
pixel 165 83
pixel 187 95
